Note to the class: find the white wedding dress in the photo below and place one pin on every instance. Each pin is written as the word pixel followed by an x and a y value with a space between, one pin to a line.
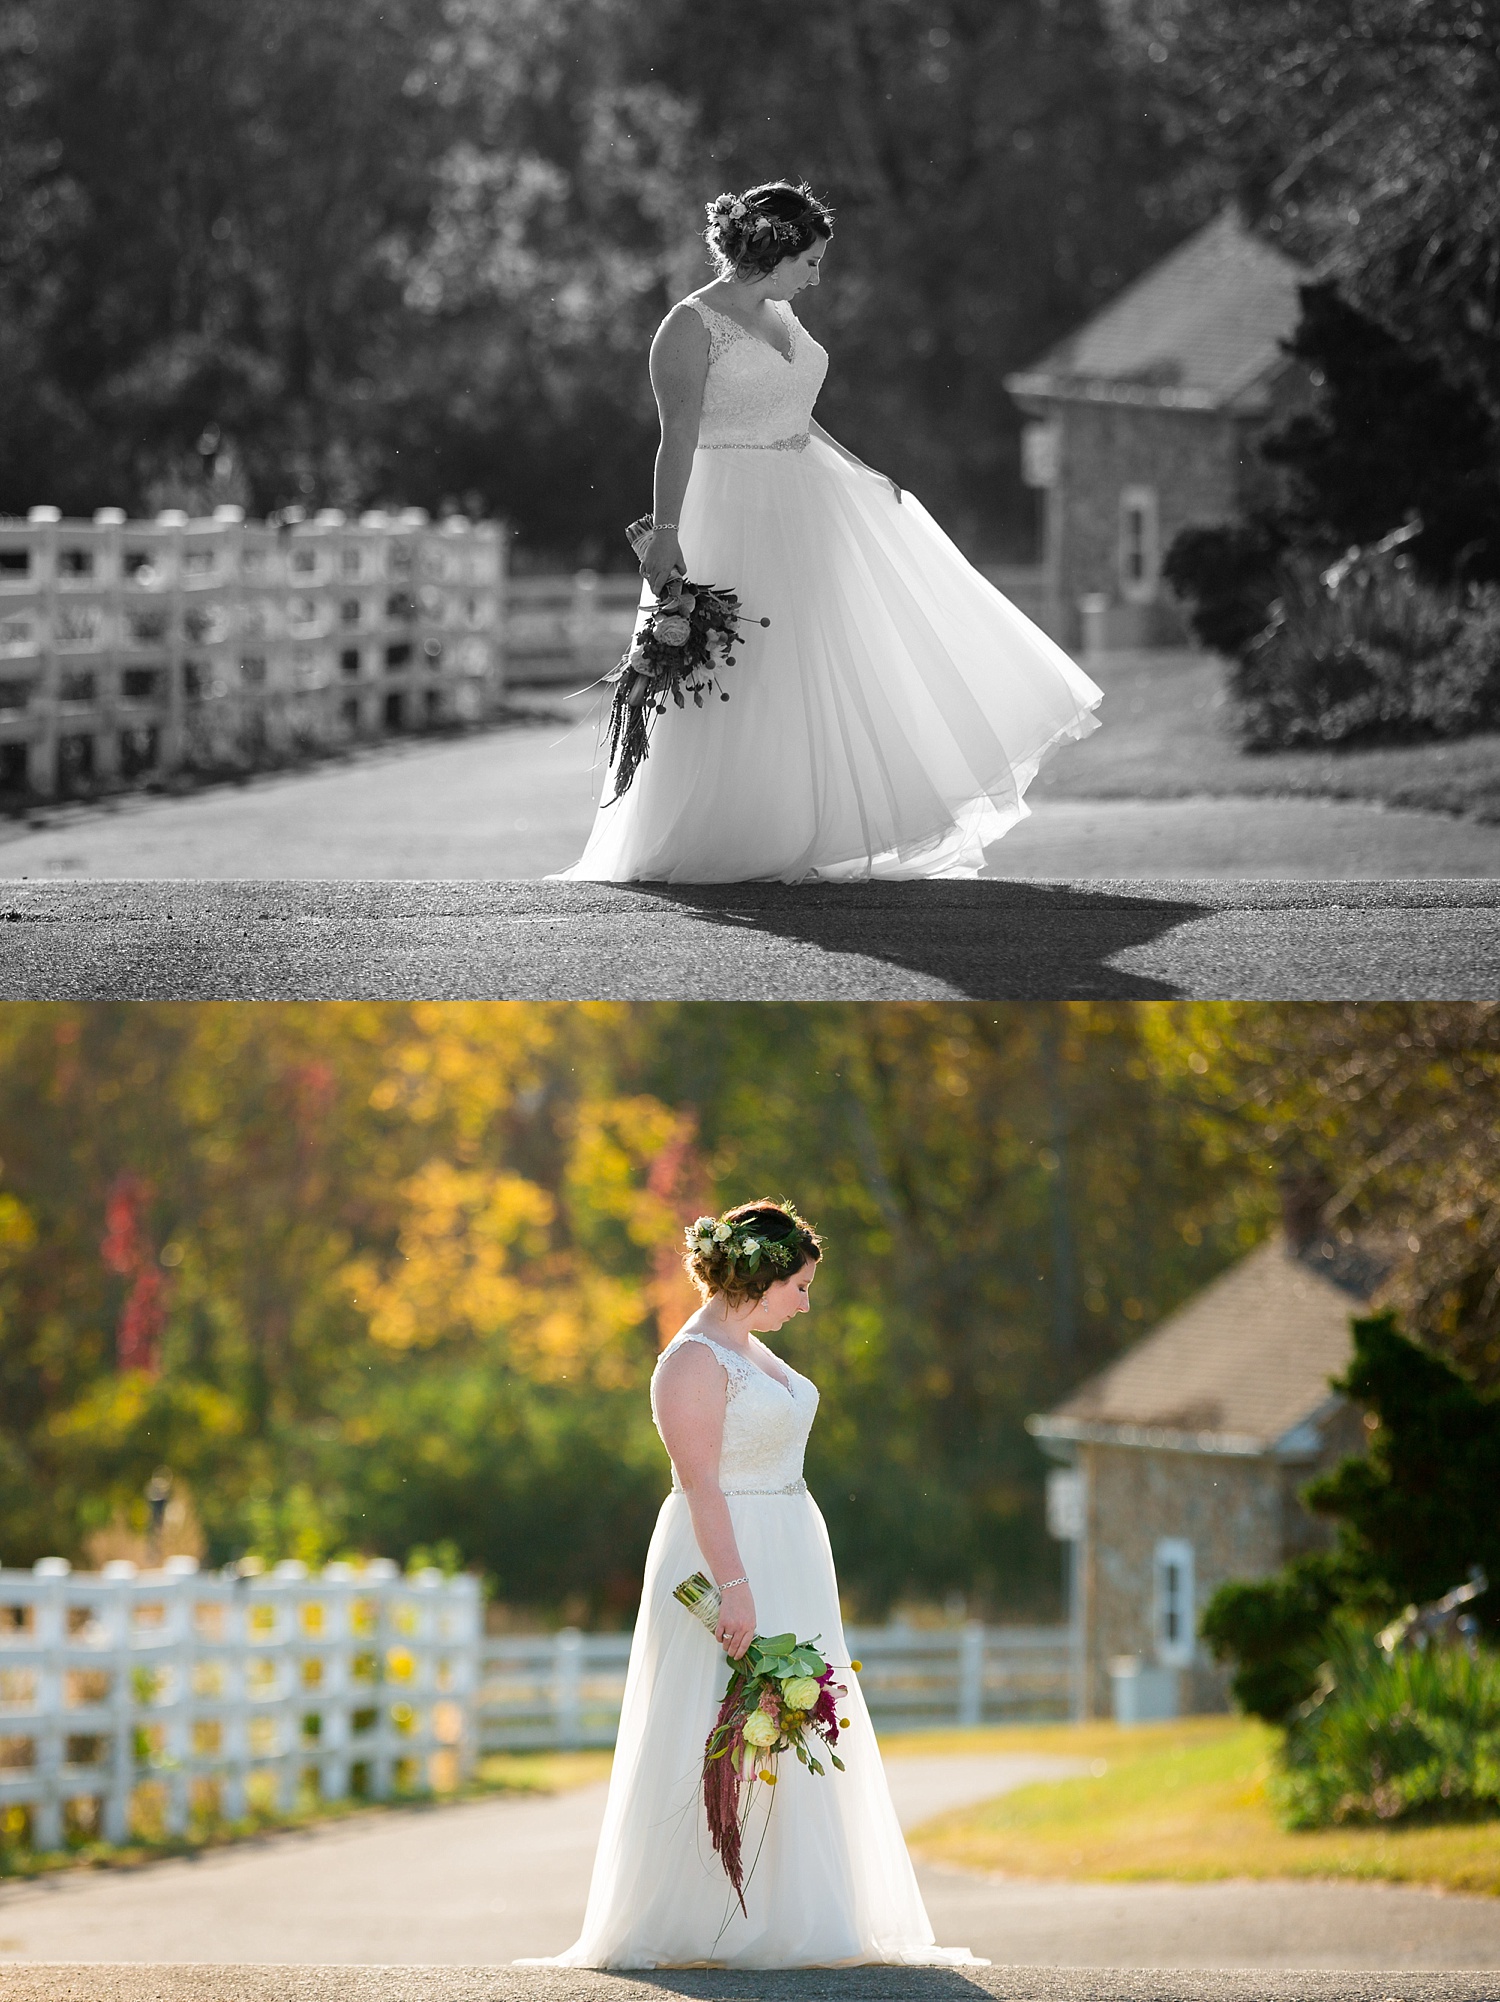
pixel 832 1884
pixel 889 720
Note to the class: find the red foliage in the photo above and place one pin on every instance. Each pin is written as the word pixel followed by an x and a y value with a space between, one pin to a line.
pixel 126 1249
pixel 723 1783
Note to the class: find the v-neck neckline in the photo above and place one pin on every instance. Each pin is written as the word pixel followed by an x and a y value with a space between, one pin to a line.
pixel 748 1358
pixel 791 323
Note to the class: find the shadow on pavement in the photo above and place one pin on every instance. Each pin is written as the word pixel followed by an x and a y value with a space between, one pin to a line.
pixel 989 940
pixel 892 1984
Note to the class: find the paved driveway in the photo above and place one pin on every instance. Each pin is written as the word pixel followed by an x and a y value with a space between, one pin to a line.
pixel 517 803
pixel 488 1881
pixel 752 942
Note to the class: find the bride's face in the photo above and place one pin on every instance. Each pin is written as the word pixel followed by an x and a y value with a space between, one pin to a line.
pixel 796 274
pixel 787 1297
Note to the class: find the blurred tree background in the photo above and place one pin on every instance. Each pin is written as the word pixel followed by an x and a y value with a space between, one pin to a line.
pixel 347 253
pixel 391 1278
pixel 360 252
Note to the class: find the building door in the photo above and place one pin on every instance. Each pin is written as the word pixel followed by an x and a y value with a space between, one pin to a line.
pixel 1140 546
pixel 1174 1615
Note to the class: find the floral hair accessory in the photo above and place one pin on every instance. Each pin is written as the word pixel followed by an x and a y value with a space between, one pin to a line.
pixel 745 1244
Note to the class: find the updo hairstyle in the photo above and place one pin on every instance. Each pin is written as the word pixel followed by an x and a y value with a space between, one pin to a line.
pixel 764 1242
pixel 748 235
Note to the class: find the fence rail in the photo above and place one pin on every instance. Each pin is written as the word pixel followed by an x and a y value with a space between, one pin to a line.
pixel 197 1682
pixel 564 1690
pixel 136 647
pixel 568 629
pixel 131 649
pixel 363 1680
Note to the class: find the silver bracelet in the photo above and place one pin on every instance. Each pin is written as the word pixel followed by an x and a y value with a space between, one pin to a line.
pixel 658 526
pixel 730 1582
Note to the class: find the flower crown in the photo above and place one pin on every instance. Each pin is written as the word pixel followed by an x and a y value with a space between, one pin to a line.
pixel 759 226
pixel 745 1244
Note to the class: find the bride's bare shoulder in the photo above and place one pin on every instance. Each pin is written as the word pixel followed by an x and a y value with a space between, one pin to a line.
pixel 684 323
pixel 690 1370
pixel 679 353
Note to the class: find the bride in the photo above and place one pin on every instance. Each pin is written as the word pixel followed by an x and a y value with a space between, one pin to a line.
pixel 832 1883
pixel 892 716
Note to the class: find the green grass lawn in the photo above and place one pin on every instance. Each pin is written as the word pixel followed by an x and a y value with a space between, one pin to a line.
pixel 1184 1801
pixel 1168 735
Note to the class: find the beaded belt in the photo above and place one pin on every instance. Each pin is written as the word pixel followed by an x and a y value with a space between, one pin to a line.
pixel 796 443
pixel 796 1488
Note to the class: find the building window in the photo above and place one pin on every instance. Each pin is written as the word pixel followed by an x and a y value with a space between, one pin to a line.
pixel 1140 545
pixel 1174 1614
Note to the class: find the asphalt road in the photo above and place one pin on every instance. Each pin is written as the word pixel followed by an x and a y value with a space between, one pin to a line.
pixel 487 1882
pixel 96 1983
pixel 879 941
pixel 516 804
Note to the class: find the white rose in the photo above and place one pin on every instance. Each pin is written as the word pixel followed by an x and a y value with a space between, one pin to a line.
pixel 801 1692
pixel 761 1730
pixel 722 1233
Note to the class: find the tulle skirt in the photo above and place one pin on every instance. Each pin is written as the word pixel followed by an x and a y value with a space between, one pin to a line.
pixel 886 724
pixel 831 1883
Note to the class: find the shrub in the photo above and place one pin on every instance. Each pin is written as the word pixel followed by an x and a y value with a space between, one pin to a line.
pixel 1227 579
pixel 1415 1513
pixel 1274 1632
pixel 1405 1736
pixel 1366 651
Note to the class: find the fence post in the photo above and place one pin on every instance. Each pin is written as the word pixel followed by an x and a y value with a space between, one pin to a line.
pixel 177 1667
pixel 117 1612
pixel 971 1672
pixel 468 1615
pixel 567 1674
pixel 46 1825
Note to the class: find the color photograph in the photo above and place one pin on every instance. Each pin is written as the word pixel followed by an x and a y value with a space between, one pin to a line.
pixel 578 1492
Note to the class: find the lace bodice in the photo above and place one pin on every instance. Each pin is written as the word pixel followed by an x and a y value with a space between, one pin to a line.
pixel 753 395
pixel 765 1425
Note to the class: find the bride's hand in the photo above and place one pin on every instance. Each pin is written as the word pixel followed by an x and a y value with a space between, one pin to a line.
pixel 663 558
pixel 736 1627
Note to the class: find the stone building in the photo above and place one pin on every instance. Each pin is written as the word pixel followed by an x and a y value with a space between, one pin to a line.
pixel 1144 422
pixel 1182 1464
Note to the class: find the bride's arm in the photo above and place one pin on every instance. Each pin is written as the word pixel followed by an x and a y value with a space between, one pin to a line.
pixel 679 368
pixel 690 1398
pixel 844 453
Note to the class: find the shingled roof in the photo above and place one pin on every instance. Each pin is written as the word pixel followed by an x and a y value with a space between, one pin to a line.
pixel 1198 331
pixel 1238 1369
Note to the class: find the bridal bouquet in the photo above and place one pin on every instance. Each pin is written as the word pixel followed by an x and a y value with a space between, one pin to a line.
pixel 781 1697
pixel 688 639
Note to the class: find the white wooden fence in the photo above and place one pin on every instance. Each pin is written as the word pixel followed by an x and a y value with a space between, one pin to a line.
pixel 135 647
pixel 363 1680
pixel 568 629
pixel 564 1689
pixel 197 1681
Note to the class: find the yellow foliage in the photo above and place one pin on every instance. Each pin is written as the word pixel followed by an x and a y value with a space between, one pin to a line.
pixel 475 1261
